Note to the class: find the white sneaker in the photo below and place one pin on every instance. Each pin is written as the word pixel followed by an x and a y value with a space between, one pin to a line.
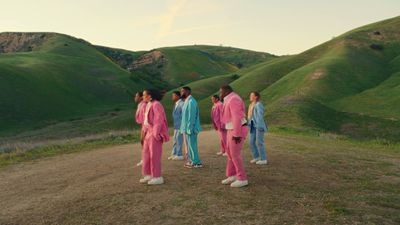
pixel 262 162
pixel 228 180
pixel 171 157
pixel 220 153
pixel 156 181
pixel 177 158
pixel 255 160
pixel 239 183
pixel 139 163
pixel 145 179
pixel 224 154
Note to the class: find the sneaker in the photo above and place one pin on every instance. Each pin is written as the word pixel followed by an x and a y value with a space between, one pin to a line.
pixel 139 163
pixel 255 160
pixel 171 157
pixel 224 154
pixel 239 183
pixel 188 165
pixel 156 181
pixel 220 153
pixel 228 180
pixel 198 165
pixel 145 179
pixel 179 158
pixel 262 162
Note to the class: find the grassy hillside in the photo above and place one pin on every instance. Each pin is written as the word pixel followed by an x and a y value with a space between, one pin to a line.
pixel 349 85
pixel 62 78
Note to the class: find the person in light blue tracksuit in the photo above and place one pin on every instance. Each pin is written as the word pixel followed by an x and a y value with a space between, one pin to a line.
pixel 177 119
pixel 258 127
pixel 190 128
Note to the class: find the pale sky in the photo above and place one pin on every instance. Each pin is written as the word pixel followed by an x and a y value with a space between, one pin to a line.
pixel 274 26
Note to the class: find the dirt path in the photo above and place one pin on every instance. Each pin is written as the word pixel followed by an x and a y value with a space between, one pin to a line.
pixel 101 187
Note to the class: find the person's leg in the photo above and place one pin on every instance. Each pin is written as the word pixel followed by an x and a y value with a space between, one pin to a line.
pixel 224 133
pixel 222 141
pixel 261 145
pixel 179 143
pixel 253 144
pixel 193 149
pixel 146 171
pixel 175 143
pixel 155 157
pixel 230 168
pixel 185 146
pixel 235 150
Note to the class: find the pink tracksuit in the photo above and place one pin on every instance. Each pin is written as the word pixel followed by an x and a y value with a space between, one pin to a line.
pixel 156 132
pixel 234 120
pixel 216 114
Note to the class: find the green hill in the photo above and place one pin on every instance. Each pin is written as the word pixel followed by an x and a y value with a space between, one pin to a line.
pixel 49 77
pixel 171 67
pixel 349 85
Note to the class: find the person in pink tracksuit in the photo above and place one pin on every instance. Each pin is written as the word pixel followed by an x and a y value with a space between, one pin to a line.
pixel 139 115
pixel 234 118
pixel 155 130
pixel 216 114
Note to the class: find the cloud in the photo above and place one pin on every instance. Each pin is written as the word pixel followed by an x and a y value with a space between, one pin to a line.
pixel 167 20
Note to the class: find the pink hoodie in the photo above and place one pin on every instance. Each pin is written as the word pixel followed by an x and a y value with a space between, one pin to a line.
pixel 157 122
pixel 234 115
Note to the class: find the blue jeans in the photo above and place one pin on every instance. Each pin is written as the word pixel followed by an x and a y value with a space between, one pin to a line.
pixel 178 141
pixel 257 144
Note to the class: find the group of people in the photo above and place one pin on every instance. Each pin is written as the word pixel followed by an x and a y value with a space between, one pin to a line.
pixel 229 119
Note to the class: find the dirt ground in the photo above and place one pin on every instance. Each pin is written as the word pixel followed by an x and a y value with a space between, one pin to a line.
pixel 307 181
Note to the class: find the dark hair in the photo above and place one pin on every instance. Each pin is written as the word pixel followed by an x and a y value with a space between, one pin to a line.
pixel 140 93
pixel 177 93
pixel 256 93
pixel 155 94
pixel 226 88
pixel 216 97
pixel 187 88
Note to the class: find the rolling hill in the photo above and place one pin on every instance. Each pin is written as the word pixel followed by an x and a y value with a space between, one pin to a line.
pixel 349 85
pixel 51 78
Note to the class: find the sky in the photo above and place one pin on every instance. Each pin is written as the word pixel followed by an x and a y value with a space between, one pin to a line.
pixel 276 26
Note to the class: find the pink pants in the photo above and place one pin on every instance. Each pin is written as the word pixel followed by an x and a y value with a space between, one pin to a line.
pixel 234 166
pixel 222 138
pixel 151 155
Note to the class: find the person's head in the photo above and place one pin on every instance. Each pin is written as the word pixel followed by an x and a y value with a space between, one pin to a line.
pixel 186 91
pixel 151 95
pixel 224 91
pixel 215 98
pixel 138 97
pixel 254 96
pixel 176 95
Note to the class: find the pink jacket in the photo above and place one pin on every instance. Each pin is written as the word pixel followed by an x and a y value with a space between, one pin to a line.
pixel 141 108
pixel 157 122
pixel 216 114
pixel 234 114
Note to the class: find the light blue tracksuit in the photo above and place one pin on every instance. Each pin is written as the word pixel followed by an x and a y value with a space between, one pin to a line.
pixel 258 127
pixel 190 127
pixel 178 137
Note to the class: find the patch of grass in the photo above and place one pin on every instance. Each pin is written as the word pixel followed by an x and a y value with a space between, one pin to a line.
pixel 19 155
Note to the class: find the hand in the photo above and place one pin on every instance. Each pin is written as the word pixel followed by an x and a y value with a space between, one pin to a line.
pixel 237 139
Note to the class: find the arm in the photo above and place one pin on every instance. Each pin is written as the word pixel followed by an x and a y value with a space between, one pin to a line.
pixel 259 116
pixel 237 115
pixel 158 112
pixel 191 117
